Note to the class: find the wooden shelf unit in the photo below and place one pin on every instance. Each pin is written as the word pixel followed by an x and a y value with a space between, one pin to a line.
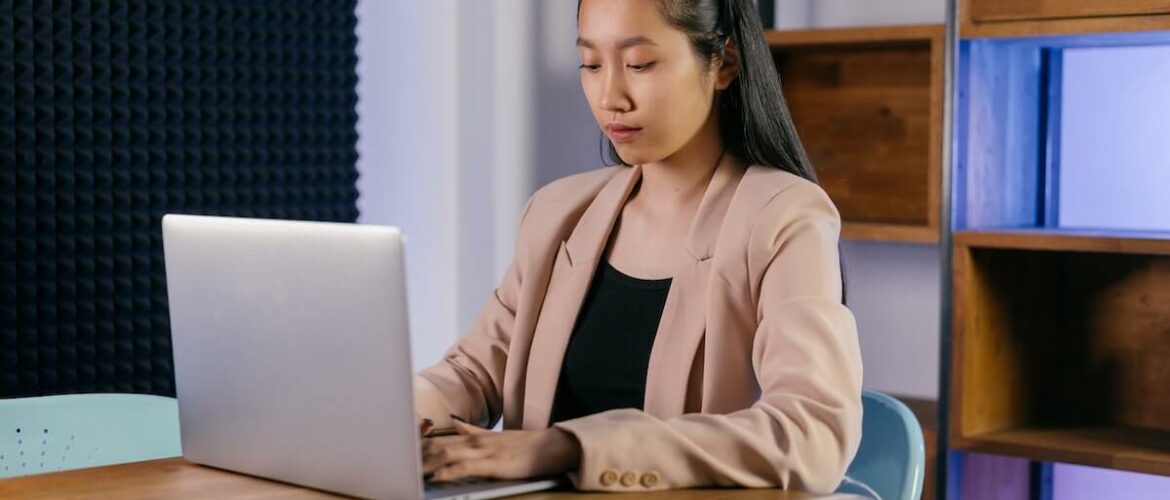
pixel 1025 18
pixel 1061 347
pixel 1111 447
pixel 867 103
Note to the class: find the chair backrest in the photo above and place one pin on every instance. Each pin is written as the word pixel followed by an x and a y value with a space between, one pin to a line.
pixel 892 458
pixel 75 431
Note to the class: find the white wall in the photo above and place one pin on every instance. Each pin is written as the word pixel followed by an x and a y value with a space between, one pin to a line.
pixel 568 139
pixel 895 292
pixel 406 159
pixel 444 148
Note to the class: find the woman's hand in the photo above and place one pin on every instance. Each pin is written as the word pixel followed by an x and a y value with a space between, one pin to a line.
pixel 477 452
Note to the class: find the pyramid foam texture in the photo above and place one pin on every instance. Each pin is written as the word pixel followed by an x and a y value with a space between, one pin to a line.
pixel 114 112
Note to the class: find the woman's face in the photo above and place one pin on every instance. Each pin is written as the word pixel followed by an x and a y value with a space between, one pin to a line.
pixel 646 87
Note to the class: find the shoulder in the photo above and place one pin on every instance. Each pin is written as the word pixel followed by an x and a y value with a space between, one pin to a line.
pixel 781 204
pixel 576 187
pixel 794 237
pixel 772 193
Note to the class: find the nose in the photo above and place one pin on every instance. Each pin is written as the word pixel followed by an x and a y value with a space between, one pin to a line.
pixel 613 94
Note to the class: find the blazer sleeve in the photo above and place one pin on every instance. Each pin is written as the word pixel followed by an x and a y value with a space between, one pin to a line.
pixel 805 428
pixel 468 381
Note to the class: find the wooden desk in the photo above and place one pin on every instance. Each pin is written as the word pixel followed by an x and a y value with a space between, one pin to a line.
pixel 175 478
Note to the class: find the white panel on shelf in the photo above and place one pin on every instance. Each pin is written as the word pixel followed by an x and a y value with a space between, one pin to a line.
pixel 1114 163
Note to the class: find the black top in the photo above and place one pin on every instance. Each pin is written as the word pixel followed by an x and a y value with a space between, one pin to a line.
pixel 609 351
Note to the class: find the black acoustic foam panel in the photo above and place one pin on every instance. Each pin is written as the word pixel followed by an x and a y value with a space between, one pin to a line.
pixel 114 112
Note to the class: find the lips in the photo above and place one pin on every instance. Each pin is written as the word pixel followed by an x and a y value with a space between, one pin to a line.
pixel 620 132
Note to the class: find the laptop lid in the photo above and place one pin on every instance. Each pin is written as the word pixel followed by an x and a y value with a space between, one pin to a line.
pixel 291 351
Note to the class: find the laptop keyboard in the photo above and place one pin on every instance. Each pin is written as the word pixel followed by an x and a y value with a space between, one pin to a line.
pixel 458 483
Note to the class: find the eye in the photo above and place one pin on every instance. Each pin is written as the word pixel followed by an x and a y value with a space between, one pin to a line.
pixel 638 68
pixel 592 68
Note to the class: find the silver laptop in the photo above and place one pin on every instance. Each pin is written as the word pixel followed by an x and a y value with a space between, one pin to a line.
pixel 292 356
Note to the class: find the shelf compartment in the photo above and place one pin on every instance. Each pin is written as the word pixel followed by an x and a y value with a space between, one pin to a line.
pixel 1061 347
pixel 1007 168
pixel 1071 240
pixel 1014 18
pixel 1112 447
pixel 1019 10
pixel 867 103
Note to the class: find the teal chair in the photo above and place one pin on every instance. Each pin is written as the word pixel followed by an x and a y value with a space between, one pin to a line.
pixel 54 433
pixel 891 462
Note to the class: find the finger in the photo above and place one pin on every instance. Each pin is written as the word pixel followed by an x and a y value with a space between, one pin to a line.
pixel 482 467
pixel 432 444
pixel 452 454
pixel 468 429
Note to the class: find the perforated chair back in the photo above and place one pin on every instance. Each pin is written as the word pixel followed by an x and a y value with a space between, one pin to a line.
pixel 54 433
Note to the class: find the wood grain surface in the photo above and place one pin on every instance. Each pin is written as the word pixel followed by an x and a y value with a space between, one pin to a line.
pixel 867 105
pixel 179 479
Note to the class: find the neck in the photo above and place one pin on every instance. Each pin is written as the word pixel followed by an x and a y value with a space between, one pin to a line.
pixel 682 177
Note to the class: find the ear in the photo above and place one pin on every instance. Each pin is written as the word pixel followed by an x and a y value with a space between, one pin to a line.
pixel 728 65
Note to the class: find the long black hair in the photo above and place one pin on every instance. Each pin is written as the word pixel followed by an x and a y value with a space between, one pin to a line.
pixel 754 121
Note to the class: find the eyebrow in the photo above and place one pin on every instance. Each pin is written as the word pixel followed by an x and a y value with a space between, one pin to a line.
pixel 625 44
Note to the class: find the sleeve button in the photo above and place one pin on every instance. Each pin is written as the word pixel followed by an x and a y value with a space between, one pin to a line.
pixel 629 478
pixel 609 477
pixel 650 479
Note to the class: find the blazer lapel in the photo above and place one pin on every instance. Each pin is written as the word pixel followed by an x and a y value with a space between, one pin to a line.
pixel 684 317
pixel 572 273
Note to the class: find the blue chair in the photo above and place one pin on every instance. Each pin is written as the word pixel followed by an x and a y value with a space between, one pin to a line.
pixel 891 461
pixel 75 431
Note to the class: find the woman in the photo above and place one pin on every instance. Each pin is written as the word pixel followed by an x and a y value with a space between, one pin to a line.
pixel 676 320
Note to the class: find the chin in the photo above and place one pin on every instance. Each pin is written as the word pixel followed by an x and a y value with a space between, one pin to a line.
pixel 634 155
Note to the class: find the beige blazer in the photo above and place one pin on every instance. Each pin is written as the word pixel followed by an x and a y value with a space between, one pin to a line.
pixel 755 374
